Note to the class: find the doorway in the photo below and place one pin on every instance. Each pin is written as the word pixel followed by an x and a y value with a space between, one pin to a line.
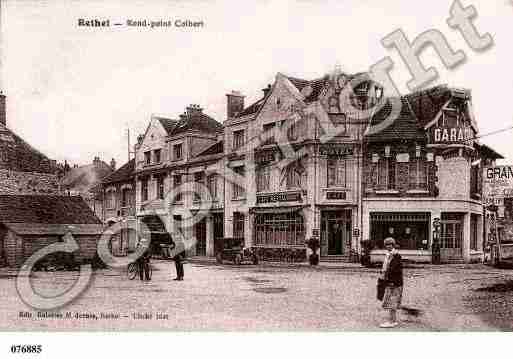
pixel 336 230
pixel 451 236
pixel 201 237
pixel 218 221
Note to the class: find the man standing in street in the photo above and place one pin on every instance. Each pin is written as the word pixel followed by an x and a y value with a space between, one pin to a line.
pixel 178 248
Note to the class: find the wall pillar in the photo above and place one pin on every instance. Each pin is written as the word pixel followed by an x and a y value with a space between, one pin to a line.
pixel 466 238
pixel 210 235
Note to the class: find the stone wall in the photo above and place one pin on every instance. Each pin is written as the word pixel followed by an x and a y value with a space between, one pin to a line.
pixel 28 183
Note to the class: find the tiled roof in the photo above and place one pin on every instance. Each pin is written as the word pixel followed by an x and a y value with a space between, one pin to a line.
pixel 215 149
pixel 83 178
pixel 253 108
pixel 123 173
pixel 428 103
pixel 405 126
pixel 45 209
pixel 488 151
pixel 18 155
pixel 196 121
pixel 317 85
pixel 168 124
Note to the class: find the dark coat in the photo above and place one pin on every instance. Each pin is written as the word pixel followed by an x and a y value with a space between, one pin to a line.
pixel 394 273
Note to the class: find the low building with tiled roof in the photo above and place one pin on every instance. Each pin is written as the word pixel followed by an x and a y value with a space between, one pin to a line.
pixel 29 223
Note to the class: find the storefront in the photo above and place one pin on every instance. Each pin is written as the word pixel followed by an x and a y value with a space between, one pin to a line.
pixel 336 232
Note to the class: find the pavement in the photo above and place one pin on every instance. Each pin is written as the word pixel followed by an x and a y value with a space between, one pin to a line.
pixel 267 297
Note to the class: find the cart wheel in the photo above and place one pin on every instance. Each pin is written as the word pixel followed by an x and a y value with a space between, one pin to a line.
pixel 238 259
pixel 132 271
pixel 255 259
pixel 219 258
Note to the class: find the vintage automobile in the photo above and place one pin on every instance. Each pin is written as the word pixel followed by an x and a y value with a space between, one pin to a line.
pixel 232 249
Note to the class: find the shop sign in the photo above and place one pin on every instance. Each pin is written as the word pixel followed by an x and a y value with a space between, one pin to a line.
pixel 452 135
pixel 336 151
pixel 336 195
pixel 498 182
pixel 278 197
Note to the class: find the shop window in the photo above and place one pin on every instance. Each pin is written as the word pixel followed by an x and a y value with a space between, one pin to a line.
pixel 263 177
pixel 337 172
pixel 144 189
pixel 238 190
pixel 238 225
pixel 279 229
pixel 177 182
pixel 386 175
pixel 418 174
pixel 410 230
pixel 474 234
pixel 238 139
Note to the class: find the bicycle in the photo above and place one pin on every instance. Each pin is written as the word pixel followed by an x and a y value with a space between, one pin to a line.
pixel 133 270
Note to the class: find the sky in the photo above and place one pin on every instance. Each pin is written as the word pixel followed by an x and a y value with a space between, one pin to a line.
pixel 73 91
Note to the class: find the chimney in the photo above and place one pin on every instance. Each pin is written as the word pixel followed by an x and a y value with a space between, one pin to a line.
pixel 234 104
pixel 113 164
pixel 3 120
pixel 193 109
pixel 267 90
pixel 96 161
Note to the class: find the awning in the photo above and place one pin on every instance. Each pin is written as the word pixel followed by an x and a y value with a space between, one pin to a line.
pixel 54 229
pixel 400 217
pixel 281 209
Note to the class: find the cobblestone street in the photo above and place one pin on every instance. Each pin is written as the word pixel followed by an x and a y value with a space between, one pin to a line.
pixel 271 297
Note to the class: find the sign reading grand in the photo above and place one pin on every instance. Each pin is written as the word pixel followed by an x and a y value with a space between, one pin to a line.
pixel 498 182
pixel 453 135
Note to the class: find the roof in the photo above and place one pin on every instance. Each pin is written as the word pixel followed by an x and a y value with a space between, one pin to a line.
pixel 253 108
pixel 123 173
pixel 168 124
pixel 488 151
pixel 18 155
pixel 316 85
pixel 45 210
pixel 215 149
pixel 405 126
pixel 196 120
pixel 84 178
pixel 428 103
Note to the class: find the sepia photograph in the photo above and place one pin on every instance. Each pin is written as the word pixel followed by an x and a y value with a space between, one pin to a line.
pixel 259 167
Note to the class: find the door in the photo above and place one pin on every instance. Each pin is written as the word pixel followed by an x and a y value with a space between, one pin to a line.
pixel 201 237
pixel 336 232
pixel 451 238
pixel 218 220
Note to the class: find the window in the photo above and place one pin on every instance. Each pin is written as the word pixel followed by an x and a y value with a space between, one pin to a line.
pixel 386 174
pixel 293 175
pixel 474 234
pixel 147 157
pixel 160 187
pixel 212 186
pixel 199 179
pixel 157 155
pixel 126 199
pixel 144 189
pixel 238 139
pixel 238 190
pixel 111 199
pixel 263 177
pixel 177 182
pixel 418 174
pixel 475 187
pixel 177 151
pixel 337 172
pixel 279 229
pixel 238 225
